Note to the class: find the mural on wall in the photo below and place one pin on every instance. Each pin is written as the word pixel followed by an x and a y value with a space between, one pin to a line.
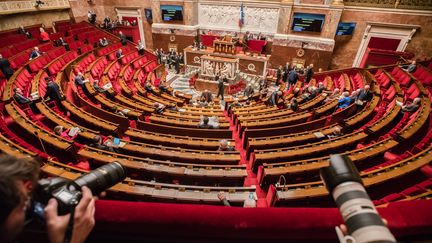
pixel 258 19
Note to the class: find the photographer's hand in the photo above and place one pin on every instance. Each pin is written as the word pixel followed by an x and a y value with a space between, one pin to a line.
pixel 84 219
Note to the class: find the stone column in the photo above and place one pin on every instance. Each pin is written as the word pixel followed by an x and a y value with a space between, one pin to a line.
pixel 332 19
pixel 337 2
pixel 285 16
pixel 190 12
pixel 156 12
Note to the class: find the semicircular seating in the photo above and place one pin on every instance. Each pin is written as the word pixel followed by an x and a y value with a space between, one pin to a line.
pixel 169 159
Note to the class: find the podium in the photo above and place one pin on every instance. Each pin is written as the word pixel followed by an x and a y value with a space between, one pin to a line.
pixel 224 47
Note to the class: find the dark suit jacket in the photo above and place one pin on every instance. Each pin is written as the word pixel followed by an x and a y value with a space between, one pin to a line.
pixel 292 77
pixel 5 67
pixel 21 99
pixel 52 91
pixel 309 74
pixel 364 96
pixel 35 54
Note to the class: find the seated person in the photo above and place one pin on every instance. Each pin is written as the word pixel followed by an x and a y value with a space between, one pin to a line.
pixel 103 42
pixel 335 133
pixel 364 95
pixel 35 53
pixel 320 87
pixel 412 107
pixel 119 53
pixel 224 146
pixel 20 98
pixel 344 101
pixel 44 36
pixel 66 134
pixel 206 96
pixel 333 96
pixel 97 143
pixel 117 111
pixel 293 105
pixel 310 93
pixel 354 95
pixel 204 123
pixel 61 42
pixel 273 100
pixel 80 80
pixel 149 88
pixel 410 68
pixel 158 108
pixel 163 87
pixel 97 87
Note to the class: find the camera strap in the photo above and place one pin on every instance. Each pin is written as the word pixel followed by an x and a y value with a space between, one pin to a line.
pixel 69 229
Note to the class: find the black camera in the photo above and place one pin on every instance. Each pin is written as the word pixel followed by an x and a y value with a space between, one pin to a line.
pixel 68 193
pixel 363 222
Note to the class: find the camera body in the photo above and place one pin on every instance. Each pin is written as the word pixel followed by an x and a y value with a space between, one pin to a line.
pixel 363 222
pixel 63 190
pixel 68 193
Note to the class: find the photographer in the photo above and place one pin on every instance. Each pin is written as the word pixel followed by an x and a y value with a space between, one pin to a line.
pixel 17 180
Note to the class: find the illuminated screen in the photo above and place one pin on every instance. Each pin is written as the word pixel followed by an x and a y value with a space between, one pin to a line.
pixel 172 13
pixel 307 22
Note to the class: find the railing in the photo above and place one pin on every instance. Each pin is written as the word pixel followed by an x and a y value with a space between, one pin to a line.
pixel 11 7
pixel 399 4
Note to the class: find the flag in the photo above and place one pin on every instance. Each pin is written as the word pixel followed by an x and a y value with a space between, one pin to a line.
pixel 241 19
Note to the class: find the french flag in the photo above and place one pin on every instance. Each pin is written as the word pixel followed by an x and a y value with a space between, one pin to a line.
pixel 241 19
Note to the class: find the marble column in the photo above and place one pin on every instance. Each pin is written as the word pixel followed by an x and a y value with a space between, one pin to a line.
pixel 156 12
pixel 285 16
pixel 190 12
pixel 332 20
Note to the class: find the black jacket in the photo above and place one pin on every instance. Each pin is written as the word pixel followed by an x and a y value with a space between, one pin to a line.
pixel 5 67
pixel 52 91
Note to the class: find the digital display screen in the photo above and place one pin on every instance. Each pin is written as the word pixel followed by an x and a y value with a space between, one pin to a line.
pixel 307 22
pixel 345 28
pixel 172 13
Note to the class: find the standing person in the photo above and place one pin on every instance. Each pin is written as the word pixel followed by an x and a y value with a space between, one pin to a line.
pixel 308 74
pixel 292 78
pixel 5 67
pixel 53 93
pixel 106 21
pixel 123 38
pixel 140 48
pixel 248 92
pixel 221 86
pixel 279 74
pixel 286 70
pixel 177 64
pixel 19 178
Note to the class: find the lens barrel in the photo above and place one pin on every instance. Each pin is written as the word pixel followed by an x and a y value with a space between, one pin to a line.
pixel 102 178
pixel 358 211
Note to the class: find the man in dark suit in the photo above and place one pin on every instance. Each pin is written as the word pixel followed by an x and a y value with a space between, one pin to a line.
pixel 20 98
pixel 5 67
pixel 279 74
pixel 308 74
pixel 286 70
pixel 119 53
pixel 292 78
pixel 123 38
pixel 80 80
pixel 35 53
pixel 221 86
pixel 363 97
pixel 53 93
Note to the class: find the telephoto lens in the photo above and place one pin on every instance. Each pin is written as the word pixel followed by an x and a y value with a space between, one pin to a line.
pixel 68 193
pixel 363 222
pixel 102 178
